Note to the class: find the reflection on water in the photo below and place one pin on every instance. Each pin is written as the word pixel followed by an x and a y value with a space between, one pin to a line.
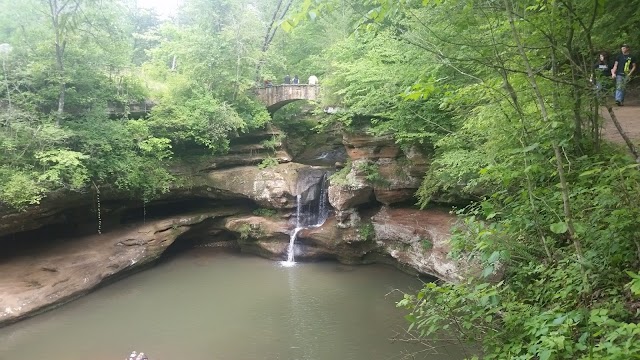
pixel 206 305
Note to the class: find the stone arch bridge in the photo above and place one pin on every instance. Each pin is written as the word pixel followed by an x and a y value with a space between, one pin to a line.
pixel 277 96
pixel 273 97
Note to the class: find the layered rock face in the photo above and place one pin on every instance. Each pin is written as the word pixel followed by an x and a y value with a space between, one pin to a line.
pixel 228 201
pixel 61 270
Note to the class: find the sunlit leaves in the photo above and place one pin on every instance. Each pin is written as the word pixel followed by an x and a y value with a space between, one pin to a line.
pixel 64 167
pixel 559 227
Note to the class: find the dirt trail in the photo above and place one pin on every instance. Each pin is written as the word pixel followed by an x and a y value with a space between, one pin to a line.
pixel 628 116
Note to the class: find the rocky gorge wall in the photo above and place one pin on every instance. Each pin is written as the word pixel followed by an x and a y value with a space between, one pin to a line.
pixel 51 253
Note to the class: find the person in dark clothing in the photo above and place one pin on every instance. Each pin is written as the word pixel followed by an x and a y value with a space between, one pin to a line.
pixel 602 68
pixel 296 81
pixel 287 79
pixel 623 69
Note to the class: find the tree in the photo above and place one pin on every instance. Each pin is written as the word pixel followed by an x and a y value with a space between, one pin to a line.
pixel 522 129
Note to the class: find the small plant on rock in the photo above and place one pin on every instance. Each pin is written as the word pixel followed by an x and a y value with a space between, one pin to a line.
pixel 265 212
pixel 268 162
pixel 340 177
pixel 245 231
pixel 367 232
pixel 372 174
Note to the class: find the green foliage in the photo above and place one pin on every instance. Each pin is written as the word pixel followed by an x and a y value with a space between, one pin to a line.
pixel 634 284
pixel 245 231
pixel 20 188
pixel 265 212
pixel 370 74
pixel 340 177
pixel 490 314
pixel 500 101
pixel 426 244
pixel 248 231
pixel 268 162
pixel 274 143
pixel 372 173
pixel 125 154
pixel 367 231
pixel 200 119
pixel 63 168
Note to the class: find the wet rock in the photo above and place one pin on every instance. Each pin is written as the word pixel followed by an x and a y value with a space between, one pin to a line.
pixel 413 240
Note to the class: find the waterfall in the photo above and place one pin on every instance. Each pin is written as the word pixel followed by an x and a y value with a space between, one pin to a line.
pixel 313 213
pixel 294 234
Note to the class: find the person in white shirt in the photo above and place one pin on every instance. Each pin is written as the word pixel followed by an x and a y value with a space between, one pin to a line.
pixel 313 80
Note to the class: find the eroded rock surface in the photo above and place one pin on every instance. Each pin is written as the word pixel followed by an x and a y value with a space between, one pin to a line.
pixel 419 239
pixel 415 239
pixel 378 167
pixel 64 270
pixel 273 187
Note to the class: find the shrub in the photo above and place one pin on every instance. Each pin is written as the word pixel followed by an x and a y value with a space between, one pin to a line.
pixel 367 232
pixel 265 212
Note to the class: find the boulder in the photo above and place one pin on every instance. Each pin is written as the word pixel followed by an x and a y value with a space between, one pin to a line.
pixel 273 187
pixel 343 197
pixel 419 239
pixel 362 146
pixel 399 185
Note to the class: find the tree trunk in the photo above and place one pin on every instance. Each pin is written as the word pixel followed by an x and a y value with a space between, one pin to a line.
pixel 545 116
pixel 622 133
pixel 271 32
pixel 60 45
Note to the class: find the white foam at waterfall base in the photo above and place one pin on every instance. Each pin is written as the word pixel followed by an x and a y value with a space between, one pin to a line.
pixel 291 250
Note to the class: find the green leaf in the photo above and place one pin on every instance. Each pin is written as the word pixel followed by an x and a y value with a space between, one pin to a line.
pixel 286 26
pixel 590 172
pixel 487 271
pixel 531 148
pixel 545 355
pixel 559 227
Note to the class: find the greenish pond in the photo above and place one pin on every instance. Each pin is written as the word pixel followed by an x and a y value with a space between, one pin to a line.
pixel 209 305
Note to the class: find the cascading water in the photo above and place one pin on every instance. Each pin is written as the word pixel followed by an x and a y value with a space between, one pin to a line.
pixel 312 214
pixel 292 239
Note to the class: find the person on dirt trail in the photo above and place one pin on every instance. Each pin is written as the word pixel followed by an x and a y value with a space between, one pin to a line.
pixel 623 69
pixel 602 69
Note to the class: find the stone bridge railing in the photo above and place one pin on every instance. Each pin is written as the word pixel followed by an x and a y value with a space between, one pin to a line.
pixel 135 110
pixel 277 96
pixel 273 97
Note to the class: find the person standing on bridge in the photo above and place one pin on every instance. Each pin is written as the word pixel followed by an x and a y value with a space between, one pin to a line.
pixel 287 79
pixel 296 81
pixel 313 80
pixel 623 68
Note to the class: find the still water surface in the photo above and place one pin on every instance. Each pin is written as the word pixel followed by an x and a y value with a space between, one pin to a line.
pixel 208 305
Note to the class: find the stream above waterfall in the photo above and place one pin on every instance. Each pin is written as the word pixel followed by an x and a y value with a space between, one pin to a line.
pixel 205 304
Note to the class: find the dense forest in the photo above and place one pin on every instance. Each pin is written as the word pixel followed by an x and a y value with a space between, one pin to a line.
pixel 496 91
